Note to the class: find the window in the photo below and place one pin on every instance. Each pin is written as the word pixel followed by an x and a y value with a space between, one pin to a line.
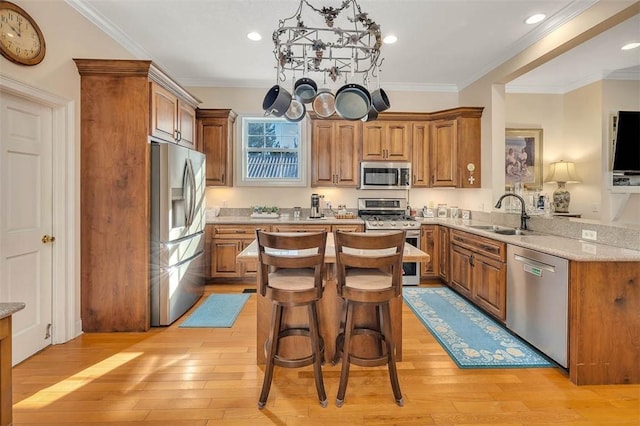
pixel 272 152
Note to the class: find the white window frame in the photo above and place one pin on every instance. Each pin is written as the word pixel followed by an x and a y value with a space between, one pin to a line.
pixel 240 153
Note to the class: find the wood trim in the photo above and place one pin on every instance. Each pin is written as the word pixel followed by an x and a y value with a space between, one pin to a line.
pixel 131 67
pixel 459 112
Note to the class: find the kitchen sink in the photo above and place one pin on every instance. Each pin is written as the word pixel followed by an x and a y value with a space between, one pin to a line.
pixel 499 230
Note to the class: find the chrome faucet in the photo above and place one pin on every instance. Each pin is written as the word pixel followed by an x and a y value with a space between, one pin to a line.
pixel 523 215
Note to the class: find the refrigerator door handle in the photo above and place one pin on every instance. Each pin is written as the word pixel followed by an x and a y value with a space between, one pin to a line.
pixel 188 188
pixel 192 192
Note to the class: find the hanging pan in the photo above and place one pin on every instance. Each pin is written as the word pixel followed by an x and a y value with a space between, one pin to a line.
pixel 305 89
pixel 352 101
pixel 296 111
pixel 380 100
pixel 276 102
pixel 324 104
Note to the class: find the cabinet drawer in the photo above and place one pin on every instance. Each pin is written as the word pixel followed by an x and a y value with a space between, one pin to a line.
pixel 237 231
pixel 300 228
pixel 488 247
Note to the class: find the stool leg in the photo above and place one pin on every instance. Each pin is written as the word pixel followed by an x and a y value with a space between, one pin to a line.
pixel 344 372
pixel 317 353
pixel 391 353
pixel 340 336
pixel 272 350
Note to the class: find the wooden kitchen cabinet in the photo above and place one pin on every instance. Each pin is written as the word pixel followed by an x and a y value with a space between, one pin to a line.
pixel 479 271
pixel 287 227
pixel 386 141
pixel 216 135
pixel 116 104
pixel 429 244
pixel 420 156
pixel 355 227
pixel 335 153
pixel 455 148
pixel 173 118
pixel 226 243
pixel 443 254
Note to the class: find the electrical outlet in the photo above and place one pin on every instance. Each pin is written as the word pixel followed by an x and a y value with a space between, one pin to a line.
pixel 225 204
pixel 589 235
pixel 595 208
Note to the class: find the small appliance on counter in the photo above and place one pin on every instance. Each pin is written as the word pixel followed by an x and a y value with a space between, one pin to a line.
pixel 316 210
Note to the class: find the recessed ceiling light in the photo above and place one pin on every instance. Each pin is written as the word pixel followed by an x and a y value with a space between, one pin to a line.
pixel 630 46
pixel 390 39
pixel 534 19
pixel 254 36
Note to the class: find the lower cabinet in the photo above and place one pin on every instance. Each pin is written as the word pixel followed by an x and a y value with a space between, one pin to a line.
pixel 429 244
pixel 443 259
pixel 479 271
pixel 227 241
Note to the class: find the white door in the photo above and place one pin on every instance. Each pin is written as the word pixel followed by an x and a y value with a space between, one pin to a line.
pixel 26 220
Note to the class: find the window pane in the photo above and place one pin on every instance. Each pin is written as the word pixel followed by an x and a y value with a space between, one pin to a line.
pixel 255 141
pixel 255 128
pixel 272 151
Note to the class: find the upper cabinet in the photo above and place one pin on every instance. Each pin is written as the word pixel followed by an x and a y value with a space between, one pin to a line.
pixel 386 141
pixel 455 150
pixel 443 147
pixel 172 119
pixel 420 159
pixel 335 155
pixel 216 134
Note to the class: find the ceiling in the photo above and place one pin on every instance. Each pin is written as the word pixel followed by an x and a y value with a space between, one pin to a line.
pixel 443 45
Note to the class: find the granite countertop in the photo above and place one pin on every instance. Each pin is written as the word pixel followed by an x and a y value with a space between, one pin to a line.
pixel 8 309
pixel 245 220
pixel 568 248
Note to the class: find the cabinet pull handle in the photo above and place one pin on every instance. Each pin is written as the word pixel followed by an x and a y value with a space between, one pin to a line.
pixel 471 260
pixel 223 181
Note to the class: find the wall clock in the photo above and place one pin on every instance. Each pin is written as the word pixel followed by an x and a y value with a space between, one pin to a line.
pixel 21 40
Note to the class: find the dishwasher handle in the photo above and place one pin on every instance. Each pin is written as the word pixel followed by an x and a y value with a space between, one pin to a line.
pixel 534 267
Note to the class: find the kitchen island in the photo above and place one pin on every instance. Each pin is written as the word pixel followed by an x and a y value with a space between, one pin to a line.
pixel 6 395
pixel 329 309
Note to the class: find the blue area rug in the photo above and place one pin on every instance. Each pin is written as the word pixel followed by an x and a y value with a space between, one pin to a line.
pixel 219 310
pixel 471 338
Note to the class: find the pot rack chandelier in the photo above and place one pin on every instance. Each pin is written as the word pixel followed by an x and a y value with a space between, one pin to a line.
pixel 347 48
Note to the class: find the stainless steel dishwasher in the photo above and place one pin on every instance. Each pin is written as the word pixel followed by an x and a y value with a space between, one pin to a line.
pixel 537 300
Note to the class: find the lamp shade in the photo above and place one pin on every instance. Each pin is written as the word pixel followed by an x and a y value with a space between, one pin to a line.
pixel 563 171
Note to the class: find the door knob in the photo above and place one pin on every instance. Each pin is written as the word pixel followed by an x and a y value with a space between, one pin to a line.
pixel 48 239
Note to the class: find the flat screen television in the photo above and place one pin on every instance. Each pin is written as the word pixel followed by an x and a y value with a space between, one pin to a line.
pixel 626 151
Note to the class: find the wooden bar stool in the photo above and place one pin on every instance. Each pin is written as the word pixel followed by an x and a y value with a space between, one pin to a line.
pixel 369 272
pixel 291 274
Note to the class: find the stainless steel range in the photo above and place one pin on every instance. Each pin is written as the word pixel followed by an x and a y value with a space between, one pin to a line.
pixel 387 214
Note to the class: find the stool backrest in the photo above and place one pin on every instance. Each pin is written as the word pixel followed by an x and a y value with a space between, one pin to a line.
pixel 370 251
pixel 297 250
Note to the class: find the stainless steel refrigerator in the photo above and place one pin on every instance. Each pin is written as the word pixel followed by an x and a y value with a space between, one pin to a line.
pixel 177 230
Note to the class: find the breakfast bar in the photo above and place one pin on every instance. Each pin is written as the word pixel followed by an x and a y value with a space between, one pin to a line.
pixel 330 307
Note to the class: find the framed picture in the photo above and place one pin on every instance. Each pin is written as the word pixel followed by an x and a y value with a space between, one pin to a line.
pixel 523 158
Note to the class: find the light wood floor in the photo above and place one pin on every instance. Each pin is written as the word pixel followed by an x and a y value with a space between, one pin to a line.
pixel 184 376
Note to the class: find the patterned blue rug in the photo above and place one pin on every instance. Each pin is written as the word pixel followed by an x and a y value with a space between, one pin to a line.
pixel 219 310
pixel 470 337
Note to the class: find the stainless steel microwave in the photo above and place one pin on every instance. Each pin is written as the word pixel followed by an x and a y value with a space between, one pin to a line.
pixel 385 175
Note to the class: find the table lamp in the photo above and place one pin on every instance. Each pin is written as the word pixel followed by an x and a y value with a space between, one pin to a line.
pixel 562 172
